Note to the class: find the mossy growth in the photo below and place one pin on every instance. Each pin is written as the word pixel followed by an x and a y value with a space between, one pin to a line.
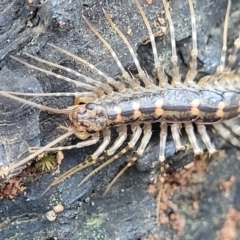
pixel 47 162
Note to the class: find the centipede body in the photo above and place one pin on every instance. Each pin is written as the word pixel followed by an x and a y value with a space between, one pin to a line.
pixel 209 92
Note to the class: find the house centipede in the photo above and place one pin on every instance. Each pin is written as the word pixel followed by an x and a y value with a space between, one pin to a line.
pixel 211 101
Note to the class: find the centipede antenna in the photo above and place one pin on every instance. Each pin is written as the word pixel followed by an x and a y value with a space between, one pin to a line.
pixel 38 106
pixel 107 88
pixel 83 85
pixel 30 157
pixel 176 78
pixel 192 72
pixel 133 84
pixel 159 70
pixel 119 86
pixel 142 75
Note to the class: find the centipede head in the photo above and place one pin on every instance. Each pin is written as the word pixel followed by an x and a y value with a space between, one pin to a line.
pixel 88 119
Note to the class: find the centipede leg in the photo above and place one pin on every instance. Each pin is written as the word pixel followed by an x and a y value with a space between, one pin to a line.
pixel 84 99
pixel 137 131
pixel 95 157
pixel 134 84
pixel 142 75
pixel 163 81
pixel 175 129
pixel 86 86
pixel 176 77
pixel 81 166
pixel 202 130
pixel 192 72
pixel 4 172
pixel 105 87
pixel 161 159
pixel 233 55
pixel 145 140
pixel 192 138
pixel 233 125
pixel 104 144
pixel 116 84
pixel 222 64
pixel 163 138
pixel 122 131
pixel 226 134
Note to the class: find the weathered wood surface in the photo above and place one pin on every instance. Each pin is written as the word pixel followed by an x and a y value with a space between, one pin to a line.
pixel 127 214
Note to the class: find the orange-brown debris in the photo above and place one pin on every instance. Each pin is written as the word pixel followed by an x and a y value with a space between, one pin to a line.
pixel 12 188
pixel 232 223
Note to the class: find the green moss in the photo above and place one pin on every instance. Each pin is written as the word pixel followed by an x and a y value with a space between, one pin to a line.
pixel 96 220
pixel 47 163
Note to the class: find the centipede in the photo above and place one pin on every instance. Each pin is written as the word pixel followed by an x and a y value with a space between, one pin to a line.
pixel 136 101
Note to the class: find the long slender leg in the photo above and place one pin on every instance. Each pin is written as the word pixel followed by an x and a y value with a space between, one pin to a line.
pixel 163 81
pixel 176 128
pixel 226 134
pixel 202 130
pixel 86 86
pixel 233 124
pixel 192 72
pixel 222 64
pixel 122 131
pixel 145 140
pixel 161 159
pixel 176 77
pixel 228 79
pixel 132 82
pixel 137 131
pixel 163 139
pixel 192 138
pixel 136 135
pixel 106 140
pixel 104 144
pixel 233 56
pixel 142 75
pixel 4 172
pixel 106 87
pixel 118 85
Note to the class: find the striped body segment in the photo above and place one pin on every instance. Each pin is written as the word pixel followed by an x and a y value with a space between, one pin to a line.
pixel 171 106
